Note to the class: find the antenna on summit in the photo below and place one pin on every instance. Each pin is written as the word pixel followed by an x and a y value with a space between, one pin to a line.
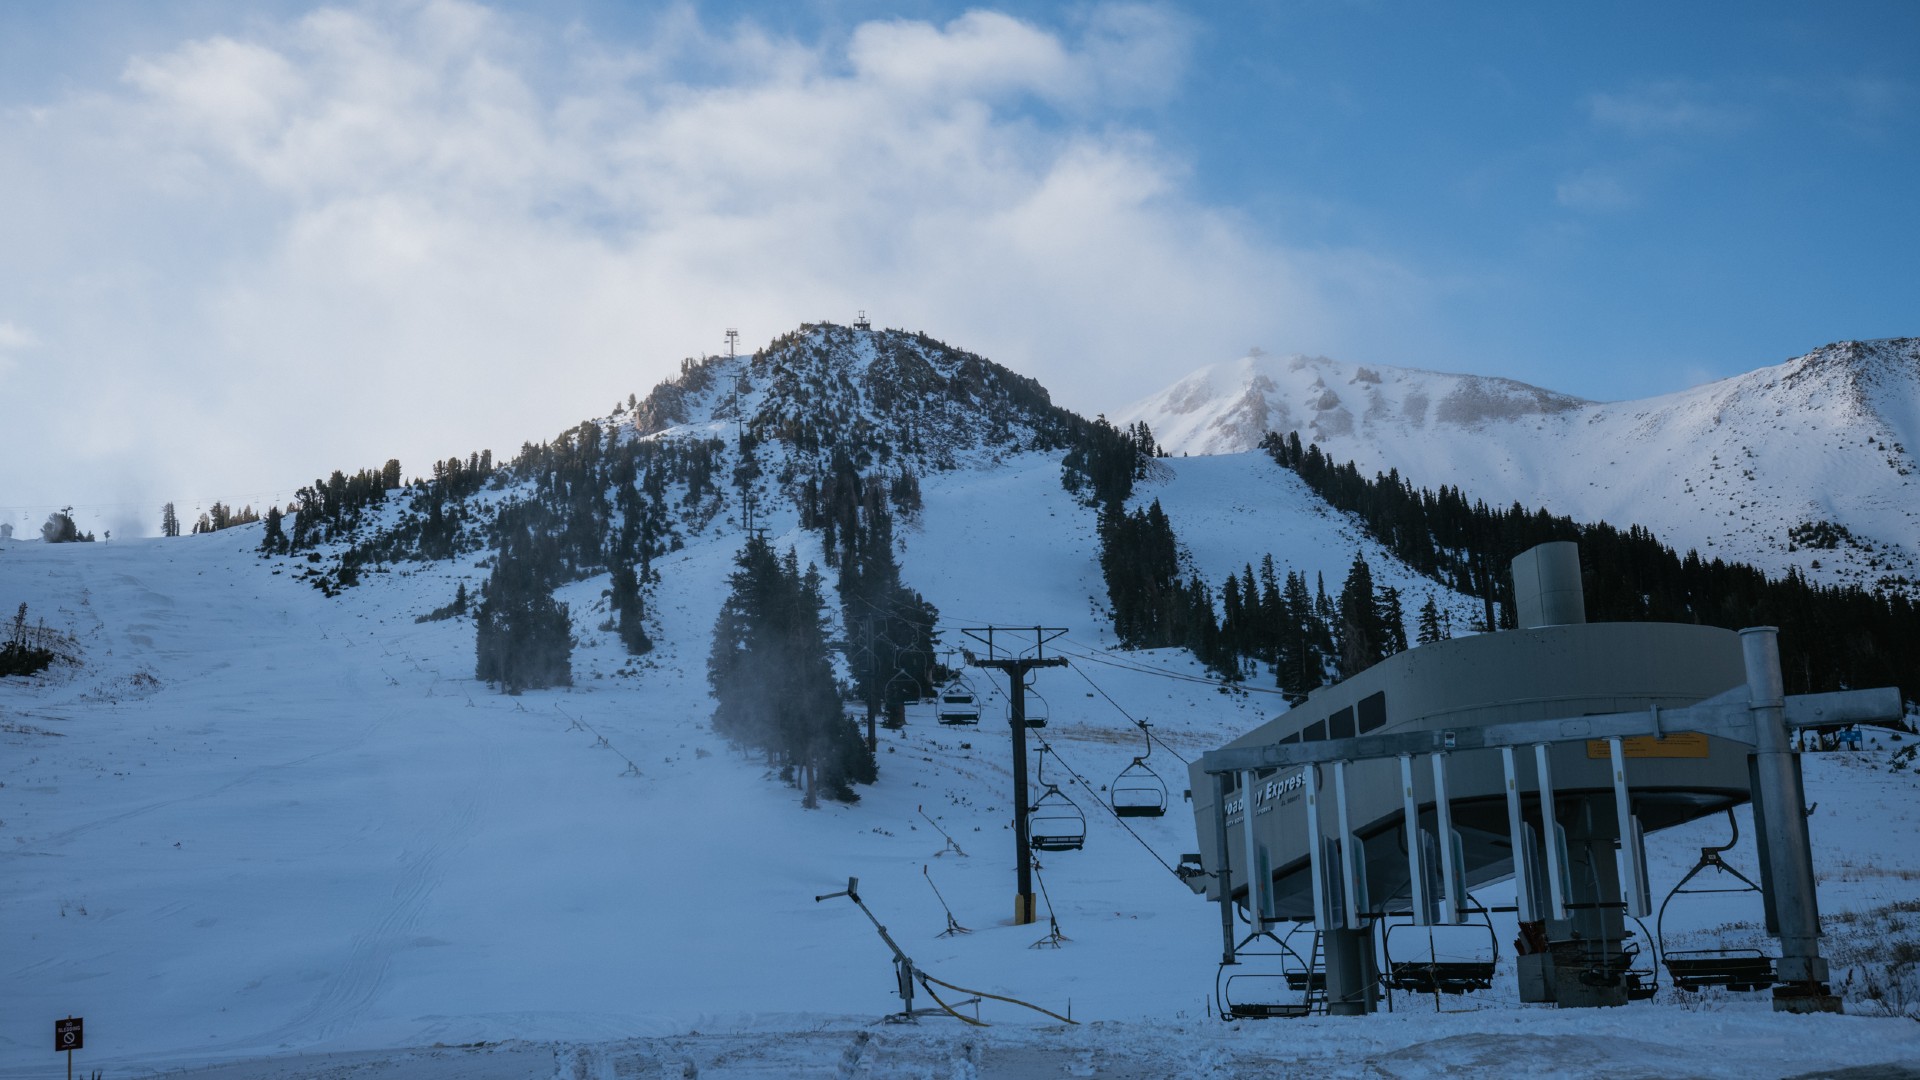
pixel 733 339
pixel 861 323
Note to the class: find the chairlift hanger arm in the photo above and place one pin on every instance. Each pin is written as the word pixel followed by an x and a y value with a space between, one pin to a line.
pixel 1726 715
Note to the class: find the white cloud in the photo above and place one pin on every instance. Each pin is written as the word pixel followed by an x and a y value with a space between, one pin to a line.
pixel 1667 107
pixel 421 229
pixel 1594 190
pixel 14 337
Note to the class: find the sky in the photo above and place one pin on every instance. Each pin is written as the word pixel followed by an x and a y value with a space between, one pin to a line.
pixel 245 244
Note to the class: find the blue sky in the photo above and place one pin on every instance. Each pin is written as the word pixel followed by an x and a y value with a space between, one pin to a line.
pixel 214 216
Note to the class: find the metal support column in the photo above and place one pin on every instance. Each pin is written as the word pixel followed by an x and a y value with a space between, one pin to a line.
pixel 1551 838
pixel 1632 865
pixel 1523 897
pixel 1250 851
pixel 1353 861
pixel 1453 885
pixel 1416 873
pixel 1222 867
pixel 1316 852
pixel 1779 799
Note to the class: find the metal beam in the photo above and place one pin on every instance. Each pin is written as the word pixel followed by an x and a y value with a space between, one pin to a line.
pixel 1551 844
pixel 1352 865
pixel 1416 875
pixel 1453 889
pixel 1523 898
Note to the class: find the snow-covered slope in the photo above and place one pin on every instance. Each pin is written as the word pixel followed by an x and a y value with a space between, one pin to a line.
pixel 1730 468
pixel 256 822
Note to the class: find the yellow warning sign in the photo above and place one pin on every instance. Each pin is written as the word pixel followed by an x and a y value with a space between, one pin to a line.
pixel 1686 744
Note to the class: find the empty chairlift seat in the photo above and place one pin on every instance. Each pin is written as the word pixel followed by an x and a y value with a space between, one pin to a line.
pixel 1055 823
pixel 959 704
pixel 1740 969
pixel 1138 791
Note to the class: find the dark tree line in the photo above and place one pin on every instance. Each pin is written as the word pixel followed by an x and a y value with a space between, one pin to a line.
pixel 331 509
pixel 59 528
pixel 889 627
pixel 523 637
pixel 217 517
pixel 1103 462
pixel 1832 637
pixel 772 676
pixel 1305 638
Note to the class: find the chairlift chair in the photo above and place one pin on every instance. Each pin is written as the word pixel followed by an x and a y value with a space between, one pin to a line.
pixel 1138 791
pixel 1267 980
pixel 1457 974
pixel 958 703
pixel 1035 709
pixel 1054 821
pixel 1738 969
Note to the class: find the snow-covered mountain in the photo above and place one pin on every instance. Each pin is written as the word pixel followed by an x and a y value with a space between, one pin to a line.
pixel 878 395
pixel 256 824
pixel 1812 463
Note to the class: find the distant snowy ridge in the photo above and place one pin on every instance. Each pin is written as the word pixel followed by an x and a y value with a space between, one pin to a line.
pixel 1226 408
pixel 1734 468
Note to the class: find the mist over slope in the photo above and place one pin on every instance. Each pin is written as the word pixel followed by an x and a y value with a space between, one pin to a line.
pixel 1813 463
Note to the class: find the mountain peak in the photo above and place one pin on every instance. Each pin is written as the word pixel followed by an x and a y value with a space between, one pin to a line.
pixel 1227 407
pixel 873 394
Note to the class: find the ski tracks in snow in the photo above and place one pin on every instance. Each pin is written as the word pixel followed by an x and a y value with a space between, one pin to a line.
pixel 352 988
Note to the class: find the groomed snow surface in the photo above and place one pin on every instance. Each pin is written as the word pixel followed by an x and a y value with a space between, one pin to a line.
pixel 262 833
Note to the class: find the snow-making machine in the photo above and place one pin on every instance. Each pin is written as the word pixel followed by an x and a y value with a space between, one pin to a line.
pixel 1386 798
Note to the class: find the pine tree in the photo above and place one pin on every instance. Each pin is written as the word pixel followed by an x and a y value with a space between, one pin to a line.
pixel 1393 620
pixel 274 540
pixel 1430 629
pixel 772 676
pixel 1361 635
pixel 1300 666
pixel 523 637
pixel 169 521
pixel 630 610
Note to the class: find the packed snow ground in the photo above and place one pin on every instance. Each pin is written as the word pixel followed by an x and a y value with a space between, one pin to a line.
pixel 282 835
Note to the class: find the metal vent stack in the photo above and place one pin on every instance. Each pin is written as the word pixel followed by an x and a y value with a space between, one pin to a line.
pixel 1546 586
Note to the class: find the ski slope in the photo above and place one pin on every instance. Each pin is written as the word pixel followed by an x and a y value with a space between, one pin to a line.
pixel 262 832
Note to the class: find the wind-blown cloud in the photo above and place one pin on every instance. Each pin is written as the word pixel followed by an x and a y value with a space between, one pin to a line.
pixel 1668 107
pixel 416 230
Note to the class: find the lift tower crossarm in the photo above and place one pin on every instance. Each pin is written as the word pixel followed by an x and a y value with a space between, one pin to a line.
pixel 1728 715
pixel 1016 668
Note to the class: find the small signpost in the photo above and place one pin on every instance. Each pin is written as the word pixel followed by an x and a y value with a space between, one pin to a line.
pixel 69 1035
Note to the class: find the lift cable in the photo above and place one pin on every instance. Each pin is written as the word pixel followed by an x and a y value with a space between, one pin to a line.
pixel 1093 654
pixel 1047 748
pixel 1130 717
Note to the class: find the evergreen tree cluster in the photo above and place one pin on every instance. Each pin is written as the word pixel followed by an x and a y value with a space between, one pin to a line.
pixel 1831 637
pixel 331 509
pixel 772 676
pixel 29 650
pixel 1304 638
pixel 890 627
pixel 59 528
pixel 1104 461
pixel 523 637
pixel 169 521
pixel 218 516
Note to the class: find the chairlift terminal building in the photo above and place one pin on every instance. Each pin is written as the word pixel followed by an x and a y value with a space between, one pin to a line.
pixel 1556 667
